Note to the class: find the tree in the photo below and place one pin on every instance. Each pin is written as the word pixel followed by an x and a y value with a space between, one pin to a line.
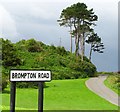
pixel 9 54
pixel 71 38
pixel 80 19
pixel 95 42
pixel 9 59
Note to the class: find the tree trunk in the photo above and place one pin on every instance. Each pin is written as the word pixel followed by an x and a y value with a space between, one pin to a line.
pixel 70 36
pixel 90 53
pixel 83 44
pixel 77 46
pixel 81 48
pixel 71 44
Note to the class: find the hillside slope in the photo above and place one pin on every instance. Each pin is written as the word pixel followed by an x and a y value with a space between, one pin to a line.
pixel 62 63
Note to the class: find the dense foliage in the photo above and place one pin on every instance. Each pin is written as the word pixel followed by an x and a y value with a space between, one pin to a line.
pixel 4 81
pixel 9 59
pixel 32 54
pixel 9 54
pixel 114 80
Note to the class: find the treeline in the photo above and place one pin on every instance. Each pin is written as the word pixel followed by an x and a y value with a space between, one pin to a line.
pixel 32 54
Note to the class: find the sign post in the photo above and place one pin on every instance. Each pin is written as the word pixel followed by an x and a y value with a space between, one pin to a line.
pixel 28 76
pixel 12 96
pixel 40 96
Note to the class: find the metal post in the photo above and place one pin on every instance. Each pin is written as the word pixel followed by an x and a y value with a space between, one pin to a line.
pixel 40 96
pixel 12 96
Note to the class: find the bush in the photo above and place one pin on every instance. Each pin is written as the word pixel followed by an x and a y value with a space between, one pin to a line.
pixel 4 82
pixel 88 69
pixel 61 51
pixel 85 69
pixel 114 80
pixel 0 84
pixel 116 86
pixel 33 46
pixel 28 85
pixel 9 54
pixel 75 66
pixel 117 81
pixel 52 47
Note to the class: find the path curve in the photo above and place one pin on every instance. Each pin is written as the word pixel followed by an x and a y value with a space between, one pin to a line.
pixel 96 85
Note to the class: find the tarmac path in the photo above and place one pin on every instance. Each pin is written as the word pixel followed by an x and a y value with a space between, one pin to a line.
pixel 96 85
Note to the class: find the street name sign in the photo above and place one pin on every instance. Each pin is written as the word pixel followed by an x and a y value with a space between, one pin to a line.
pixel 29 75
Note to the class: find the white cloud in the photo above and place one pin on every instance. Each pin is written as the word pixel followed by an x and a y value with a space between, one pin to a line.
pixel 38 12
pixel 7 24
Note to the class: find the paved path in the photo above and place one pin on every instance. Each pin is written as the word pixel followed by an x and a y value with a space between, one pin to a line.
pixel 97 86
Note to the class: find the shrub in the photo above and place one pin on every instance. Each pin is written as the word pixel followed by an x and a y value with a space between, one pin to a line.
pixel 76 75
pixel 0 84
pixel 52 47
pixel 61 51
pixel 9 54
pixel 28 85
pixel 4 82
pixel 114 80
pixel 88 68
pixel 21 45
pixel 75 66
pixel 117 81
pixel 85 69
pixel 116 86
pixel 33 46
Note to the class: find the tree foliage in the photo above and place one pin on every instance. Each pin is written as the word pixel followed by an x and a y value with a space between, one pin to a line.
pixel 10 59
pixel 95 42
pixel 80 19
pixel 9 54
pixel 33 46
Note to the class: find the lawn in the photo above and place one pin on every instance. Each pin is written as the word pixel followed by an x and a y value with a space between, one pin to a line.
pixel 60 95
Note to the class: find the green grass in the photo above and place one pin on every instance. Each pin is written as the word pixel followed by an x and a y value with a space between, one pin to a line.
pixel 60 95
pixel 109 82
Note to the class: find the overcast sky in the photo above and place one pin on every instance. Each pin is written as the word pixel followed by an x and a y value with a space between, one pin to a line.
pixel 24 19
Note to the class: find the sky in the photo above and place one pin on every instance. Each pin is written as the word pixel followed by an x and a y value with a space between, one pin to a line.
pixel 25 19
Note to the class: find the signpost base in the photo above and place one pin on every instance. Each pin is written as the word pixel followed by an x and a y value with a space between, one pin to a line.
pixel 40 96
pixel 12 96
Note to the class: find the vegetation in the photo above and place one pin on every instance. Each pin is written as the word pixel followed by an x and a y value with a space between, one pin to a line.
pixel 80 20
pixel 113 82
pixel 32 54
pixel 95 41
pixel 4 81
pixel 9 59
pixel 9 54
pixel 0 65
pixel 60 95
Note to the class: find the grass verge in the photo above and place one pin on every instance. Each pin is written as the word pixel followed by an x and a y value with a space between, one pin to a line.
pixel 109 82
pixel 59 95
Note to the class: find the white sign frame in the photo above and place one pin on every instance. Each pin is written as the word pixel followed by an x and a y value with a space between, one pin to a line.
pixel 29 75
